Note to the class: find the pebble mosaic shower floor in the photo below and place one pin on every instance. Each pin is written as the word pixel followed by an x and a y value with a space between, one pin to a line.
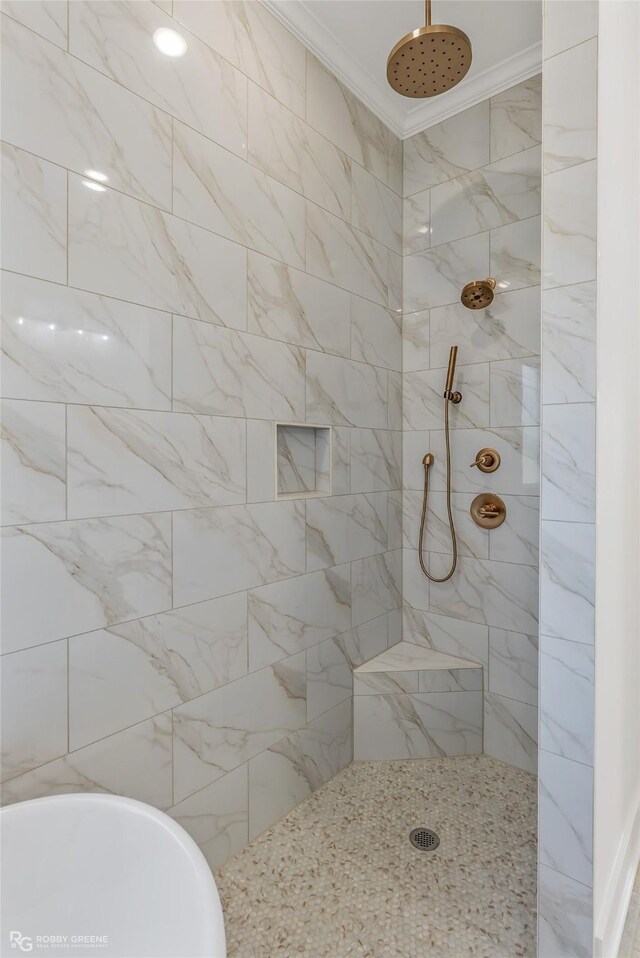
pixel 338 877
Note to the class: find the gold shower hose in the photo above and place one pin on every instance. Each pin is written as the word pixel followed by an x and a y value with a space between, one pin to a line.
pixel 427 461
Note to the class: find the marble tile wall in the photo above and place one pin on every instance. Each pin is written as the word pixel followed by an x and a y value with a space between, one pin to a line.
pixel 567 546
pixel 194 248
pixel 472 209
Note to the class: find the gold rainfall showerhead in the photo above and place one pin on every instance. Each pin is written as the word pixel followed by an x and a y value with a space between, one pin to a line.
pixel 478 294
pixel 430 60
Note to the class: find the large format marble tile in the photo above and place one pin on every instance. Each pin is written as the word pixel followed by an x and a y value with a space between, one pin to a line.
pixel 287 148
pixel 287 772
pixel 122 358
pixel 436 277
pixel 81 120
pixel 570 102
pixel 201 88
pixel 503 192
pixel 345 393
pixel 566 698
pixel 289 305
pixel 329 678
pixel 568 462
pixel 516 118
pixel 375 334
pixel 418 725
pixel 423 405
pixel 569 231
pixel 34 708
pixel 229 373
pixel 565 906
pixel 501 594
pixel 255 42
pixel 395 156
pixel 48 18
pixel 567 580
pixel 515 392
pixel 447 149
pixel 517 539
pixel 86 574
pixel 345 256
pixel 375 208
pixel 415 341
pixel 395 265
pixel 510 731
pixel 33 462
pixel 567 23
pixel 127 249
pixel 130 672
pixel 376 586
pixel 345 528
pixel 222 550
pixel 135 763
pixel 294 614
pixel 122 460
pixel 364 641
pixel 376 460
pixel 442 633
pixel 513 665
pixel 508 329
pixel 519 469
pixel 416 225
pixel 569 344
pixel 217 817
pixel 516 251
pixel 565 803
pixel 336 113
pixel 394 400
pixel 471 540
pixel 224 193
pixel 33 231
pixel 224 728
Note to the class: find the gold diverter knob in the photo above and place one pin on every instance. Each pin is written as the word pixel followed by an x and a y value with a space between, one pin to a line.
pixel 488 510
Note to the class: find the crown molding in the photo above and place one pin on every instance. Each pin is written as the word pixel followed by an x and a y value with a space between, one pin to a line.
pixel 381 100
pixel 523 65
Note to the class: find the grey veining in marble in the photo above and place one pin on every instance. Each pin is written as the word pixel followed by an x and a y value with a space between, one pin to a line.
pixel 123 461
pixel 516 121
pixel 218 731
pixel 447 149
pixel 34 215
pixel 87 574
pixel 289 305
pixel 129 672
pixel 228 373
pixel 224 193
pixel 225 549
pixel 135 762
pixel 33 462
pixel 289 616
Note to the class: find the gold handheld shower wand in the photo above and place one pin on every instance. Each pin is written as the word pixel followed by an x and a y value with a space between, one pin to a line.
pixel 427 462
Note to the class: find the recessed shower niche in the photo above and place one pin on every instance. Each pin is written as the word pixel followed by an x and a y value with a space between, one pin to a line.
pixel 303 460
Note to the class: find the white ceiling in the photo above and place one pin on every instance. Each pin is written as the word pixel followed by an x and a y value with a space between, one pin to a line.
pixel 354 37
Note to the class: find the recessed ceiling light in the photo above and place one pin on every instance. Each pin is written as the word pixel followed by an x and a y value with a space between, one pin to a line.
pixel 96 175
pixel 93 186
pixel 169 42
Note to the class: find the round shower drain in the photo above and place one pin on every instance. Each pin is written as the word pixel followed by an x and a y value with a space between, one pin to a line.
pixel 424 839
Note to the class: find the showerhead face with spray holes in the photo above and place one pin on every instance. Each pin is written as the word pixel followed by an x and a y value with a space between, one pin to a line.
pixel 478 294
pixel 429 60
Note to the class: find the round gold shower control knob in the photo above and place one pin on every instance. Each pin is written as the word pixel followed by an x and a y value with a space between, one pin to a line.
pixel 487 460
pixel 488 510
